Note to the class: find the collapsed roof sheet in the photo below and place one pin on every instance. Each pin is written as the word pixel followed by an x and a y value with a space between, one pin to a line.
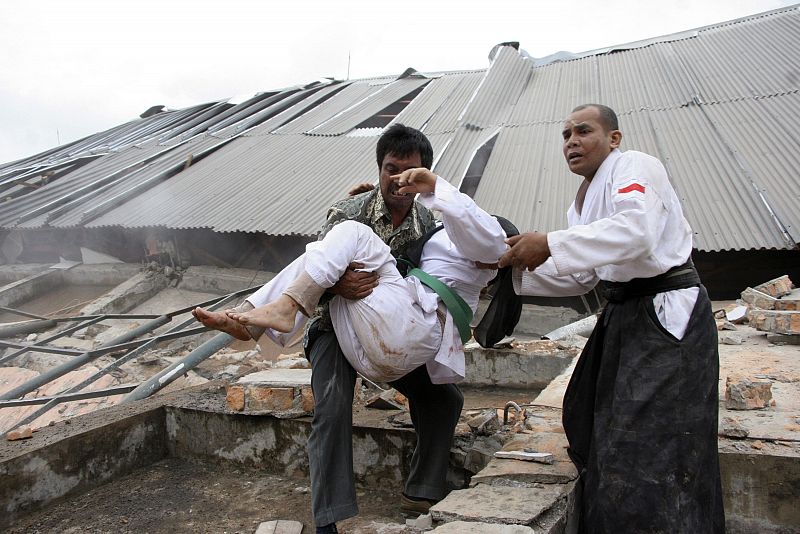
pixel 717 105
pixel 274 184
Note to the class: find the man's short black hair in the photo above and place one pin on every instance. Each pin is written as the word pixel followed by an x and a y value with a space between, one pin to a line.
pixel 607 115
pixel 403 141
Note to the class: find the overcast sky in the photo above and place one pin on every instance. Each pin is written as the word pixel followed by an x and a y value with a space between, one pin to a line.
pixel 69 68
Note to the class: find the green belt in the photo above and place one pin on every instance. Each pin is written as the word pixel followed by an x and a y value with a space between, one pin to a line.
pixel 460 310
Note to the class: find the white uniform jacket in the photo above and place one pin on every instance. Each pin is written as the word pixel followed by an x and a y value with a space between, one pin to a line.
pixel 631 226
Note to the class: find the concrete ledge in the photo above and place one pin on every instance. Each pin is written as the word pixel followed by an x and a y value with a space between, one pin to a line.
pixel 12 273
pixel 380 456
pixel 220 281
pixel 127 295
pixel 28 287
pixel 543 507
pixel 532 365
pixel 78 463
pixel 762 489
pixel 504 472
pixel 101 274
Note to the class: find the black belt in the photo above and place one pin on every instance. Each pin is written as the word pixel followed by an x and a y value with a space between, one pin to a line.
pixel 680 277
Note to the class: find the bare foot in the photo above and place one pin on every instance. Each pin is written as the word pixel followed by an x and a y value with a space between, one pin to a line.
pixel 220 321
pixel 278 315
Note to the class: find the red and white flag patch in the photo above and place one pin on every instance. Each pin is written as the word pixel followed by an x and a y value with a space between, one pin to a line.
pixel 630 188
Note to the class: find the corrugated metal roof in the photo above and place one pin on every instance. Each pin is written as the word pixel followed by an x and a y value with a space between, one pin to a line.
pixel 135 183
pixel 344 99
pixel 757 57
pixel 369 106
pixel 438 99
pixel 274 184
pixel 500 89
pixel 717 105
pixel 454 161
pixel 304 102
pixel 526 179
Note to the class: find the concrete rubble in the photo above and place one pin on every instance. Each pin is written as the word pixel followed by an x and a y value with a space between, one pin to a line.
pixel 747 393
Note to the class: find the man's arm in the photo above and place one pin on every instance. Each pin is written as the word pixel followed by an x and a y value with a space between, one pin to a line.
pixel 476 234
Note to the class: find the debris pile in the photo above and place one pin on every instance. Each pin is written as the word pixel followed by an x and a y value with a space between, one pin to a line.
pixel 772 307
pixel 747 393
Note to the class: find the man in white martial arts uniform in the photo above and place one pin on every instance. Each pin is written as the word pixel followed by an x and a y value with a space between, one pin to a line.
pixel 403 323
pixel 640 412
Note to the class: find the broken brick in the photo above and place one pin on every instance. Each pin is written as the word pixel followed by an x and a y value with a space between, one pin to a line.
pixel 777 287
pixel 234 398
pixel 25 433
pixel 306 400
pixel 272 399
pixel 758 299
pixel 779 322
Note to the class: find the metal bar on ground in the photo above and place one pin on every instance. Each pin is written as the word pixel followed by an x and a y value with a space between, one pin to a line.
pixel 139 342
pixel 23 313
pixel 48 350
pixel 174 371
pixel 213 304
pixel 68 397
pixel 78 361
pixel 25 327
pixel 71 329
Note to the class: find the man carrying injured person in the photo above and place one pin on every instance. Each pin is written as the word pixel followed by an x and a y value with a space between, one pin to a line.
pixel 640 411
pixel 403 324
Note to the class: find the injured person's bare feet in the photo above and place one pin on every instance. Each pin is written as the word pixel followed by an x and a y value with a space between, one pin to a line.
pixel 279 315
pixel 220 321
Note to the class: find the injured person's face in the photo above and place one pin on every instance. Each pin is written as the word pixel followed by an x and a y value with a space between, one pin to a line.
pixel 398 203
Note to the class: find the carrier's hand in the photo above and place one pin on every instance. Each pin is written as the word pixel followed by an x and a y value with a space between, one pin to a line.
pixel 528 251
pixel 360 188
pixel 355 285
pixel 419 180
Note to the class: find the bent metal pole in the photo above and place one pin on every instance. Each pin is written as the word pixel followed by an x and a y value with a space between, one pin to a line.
pixel 177 369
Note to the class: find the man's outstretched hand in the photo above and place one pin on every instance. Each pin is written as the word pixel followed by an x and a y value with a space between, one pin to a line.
pixel 355 285
pixel 419 180
pixel 528 251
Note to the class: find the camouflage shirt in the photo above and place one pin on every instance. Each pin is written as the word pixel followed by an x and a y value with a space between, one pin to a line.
pixel 370 209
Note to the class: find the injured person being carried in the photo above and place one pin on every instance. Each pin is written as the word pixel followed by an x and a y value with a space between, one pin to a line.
pixel 403 323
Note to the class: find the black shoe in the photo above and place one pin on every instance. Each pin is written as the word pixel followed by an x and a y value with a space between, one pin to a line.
pixel 415 505
pixel 328 529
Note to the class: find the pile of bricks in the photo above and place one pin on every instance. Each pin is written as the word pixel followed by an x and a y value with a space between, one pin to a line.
pixel 774 306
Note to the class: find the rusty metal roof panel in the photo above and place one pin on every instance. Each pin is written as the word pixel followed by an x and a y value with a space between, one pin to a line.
pixel 371 105
pixel 276 184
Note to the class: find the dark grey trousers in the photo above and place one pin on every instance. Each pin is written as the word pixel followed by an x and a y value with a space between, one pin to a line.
pixel 435 410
